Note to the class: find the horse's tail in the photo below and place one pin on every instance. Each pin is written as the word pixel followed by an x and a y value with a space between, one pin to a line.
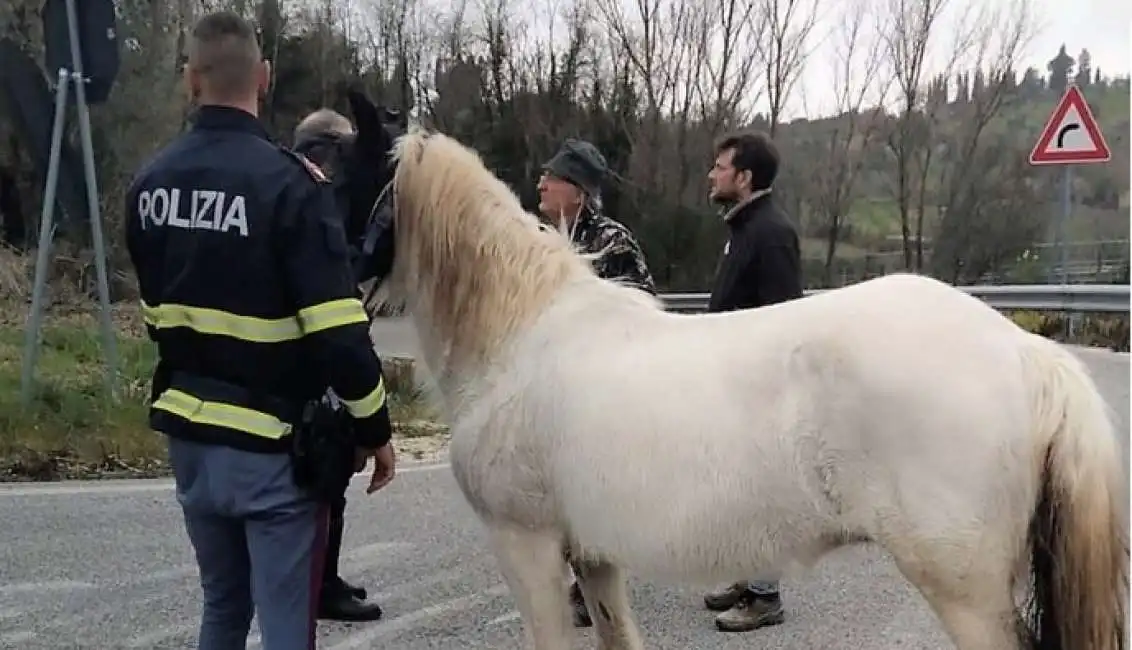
pixel 1077 536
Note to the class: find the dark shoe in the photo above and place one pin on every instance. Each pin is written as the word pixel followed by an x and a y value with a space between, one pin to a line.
pixel 725 598
pixel 749 613
pixel 578 609
pixel 338 586
pixel 356 592
pixel 348 607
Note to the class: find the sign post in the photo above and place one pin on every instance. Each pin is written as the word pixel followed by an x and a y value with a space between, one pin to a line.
pixel 82 66
pixel 1070 137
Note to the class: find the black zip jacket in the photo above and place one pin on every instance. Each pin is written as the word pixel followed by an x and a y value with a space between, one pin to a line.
pixel 246 288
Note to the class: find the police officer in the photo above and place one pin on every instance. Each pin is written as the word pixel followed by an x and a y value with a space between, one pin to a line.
pixel 320 136
pixel 570 197
pixel 246 288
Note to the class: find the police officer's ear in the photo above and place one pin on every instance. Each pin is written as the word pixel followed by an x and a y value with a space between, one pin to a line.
pixel 191 79
pixel 263 78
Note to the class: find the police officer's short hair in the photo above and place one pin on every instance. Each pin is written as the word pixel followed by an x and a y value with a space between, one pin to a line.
pixel 324 120
pixel 755 152
pixel 224 50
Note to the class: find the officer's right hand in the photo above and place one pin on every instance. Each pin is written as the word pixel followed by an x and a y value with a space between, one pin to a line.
pixel 384 464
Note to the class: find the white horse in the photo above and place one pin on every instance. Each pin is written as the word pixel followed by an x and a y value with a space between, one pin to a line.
pixel 697 448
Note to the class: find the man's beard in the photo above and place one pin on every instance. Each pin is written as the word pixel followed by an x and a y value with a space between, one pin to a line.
pixel 724 197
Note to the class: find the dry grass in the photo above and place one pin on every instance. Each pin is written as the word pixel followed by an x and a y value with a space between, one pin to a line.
pixel 73 429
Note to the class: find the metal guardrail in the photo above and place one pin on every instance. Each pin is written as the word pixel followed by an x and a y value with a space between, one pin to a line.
pixel 1106 298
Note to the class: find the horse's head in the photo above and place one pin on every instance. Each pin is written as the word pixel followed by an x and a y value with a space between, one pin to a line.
pixel 363 180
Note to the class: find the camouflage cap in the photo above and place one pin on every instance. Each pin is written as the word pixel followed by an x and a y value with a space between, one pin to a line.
pixel 580 163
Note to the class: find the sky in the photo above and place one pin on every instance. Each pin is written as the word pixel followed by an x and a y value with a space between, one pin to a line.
pixel 1101 26
pixel 1104 27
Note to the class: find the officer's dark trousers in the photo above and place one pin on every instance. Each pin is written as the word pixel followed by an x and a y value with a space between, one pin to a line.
pixel 334 541
pixel 259 542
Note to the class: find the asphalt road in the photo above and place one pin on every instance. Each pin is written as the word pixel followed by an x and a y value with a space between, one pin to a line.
pixel 107 565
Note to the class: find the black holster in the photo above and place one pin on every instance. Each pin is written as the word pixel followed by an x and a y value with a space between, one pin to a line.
pixel 322 451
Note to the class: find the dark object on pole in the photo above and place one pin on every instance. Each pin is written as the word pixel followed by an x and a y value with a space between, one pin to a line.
pixel 98 43
pixel 26 98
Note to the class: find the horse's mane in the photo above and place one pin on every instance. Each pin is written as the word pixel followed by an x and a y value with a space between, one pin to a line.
pixel 468 255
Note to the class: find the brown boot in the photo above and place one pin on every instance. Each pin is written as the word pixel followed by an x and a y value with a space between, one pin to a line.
pixel 724 598
pixel 751 612
pixel 578 609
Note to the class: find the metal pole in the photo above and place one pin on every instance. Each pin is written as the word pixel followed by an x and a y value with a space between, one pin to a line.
pixel 46 233
pixel 1071 320
pixel 1066 213
pixel 92 199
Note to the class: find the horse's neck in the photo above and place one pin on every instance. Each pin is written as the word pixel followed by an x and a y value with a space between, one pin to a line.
pixel 469 315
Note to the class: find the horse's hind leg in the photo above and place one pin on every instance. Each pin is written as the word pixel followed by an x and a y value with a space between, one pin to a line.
pixel 531 562
pixel 607 598
pixel 979 625
pixel 974 604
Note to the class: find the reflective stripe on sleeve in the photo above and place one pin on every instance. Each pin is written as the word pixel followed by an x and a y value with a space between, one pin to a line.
pixel 214 321
pixel 221 415
pixel 368 405
pixel 324 316
pixel 334 313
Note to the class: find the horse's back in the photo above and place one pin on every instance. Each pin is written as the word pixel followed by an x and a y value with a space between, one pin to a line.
pixel 836 407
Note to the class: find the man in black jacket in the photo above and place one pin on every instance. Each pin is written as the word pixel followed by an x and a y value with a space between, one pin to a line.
pixel 761 265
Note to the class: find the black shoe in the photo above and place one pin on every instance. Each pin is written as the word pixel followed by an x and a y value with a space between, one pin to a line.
pixel 581 615
pixel 347 607
pixel 356 592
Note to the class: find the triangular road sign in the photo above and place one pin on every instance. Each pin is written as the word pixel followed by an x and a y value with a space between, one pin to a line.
pixel 1071 135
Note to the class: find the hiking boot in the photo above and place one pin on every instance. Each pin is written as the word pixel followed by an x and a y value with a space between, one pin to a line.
pixel 578 610
pixel 751 612
pixel 725 598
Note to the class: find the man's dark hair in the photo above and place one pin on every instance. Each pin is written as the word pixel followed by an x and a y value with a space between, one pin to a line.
pixel 224 50
pixel 754 152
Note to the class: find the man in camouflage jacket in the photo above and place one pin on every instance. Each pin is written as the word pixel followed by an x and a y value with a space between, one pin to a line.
pixel 570 199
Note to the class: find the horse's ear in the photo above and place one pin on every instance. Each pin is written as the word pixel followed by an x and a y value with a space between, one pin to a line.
pixel 398 118
pixel 367 119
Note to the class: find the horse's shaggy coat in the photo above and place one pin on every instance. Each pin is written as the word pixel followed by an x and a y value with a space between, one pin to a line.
pixel 698 448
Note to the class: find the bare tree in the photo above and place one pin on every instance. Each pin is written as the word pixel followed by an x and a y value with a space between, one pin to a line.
pixel 729 48
pixel 784 46
pixel 860 85
pixel 912 25
pixel 975 184
pixel 651 44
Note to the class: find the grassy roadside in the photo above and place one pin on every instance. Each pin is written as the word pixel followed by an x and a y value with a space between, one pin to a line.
pixel 72 430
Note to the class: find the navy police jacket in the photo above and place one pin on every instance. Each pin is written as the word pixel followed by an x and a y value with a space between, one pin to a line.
pixel 246 288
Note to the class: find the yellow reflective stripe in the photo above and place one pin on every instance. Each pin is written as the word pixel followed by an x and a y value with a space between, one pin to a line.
pixel 221 415
pixel 368 405
pixel 214 321
pixel 334 313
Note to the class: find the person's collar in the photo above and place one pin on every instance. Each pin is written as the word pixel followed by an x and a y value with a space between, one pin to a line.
pixel 735 209
pixel 228 118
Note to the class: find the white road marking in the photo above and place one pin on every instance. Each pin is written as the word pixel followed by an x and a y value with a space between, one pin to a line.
pixel 10 613
pixel 15 638
pixel 48 585
pixel 506 618
pixel 451 577
pixel 364 638
pixel 131 485
pixel 151 639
